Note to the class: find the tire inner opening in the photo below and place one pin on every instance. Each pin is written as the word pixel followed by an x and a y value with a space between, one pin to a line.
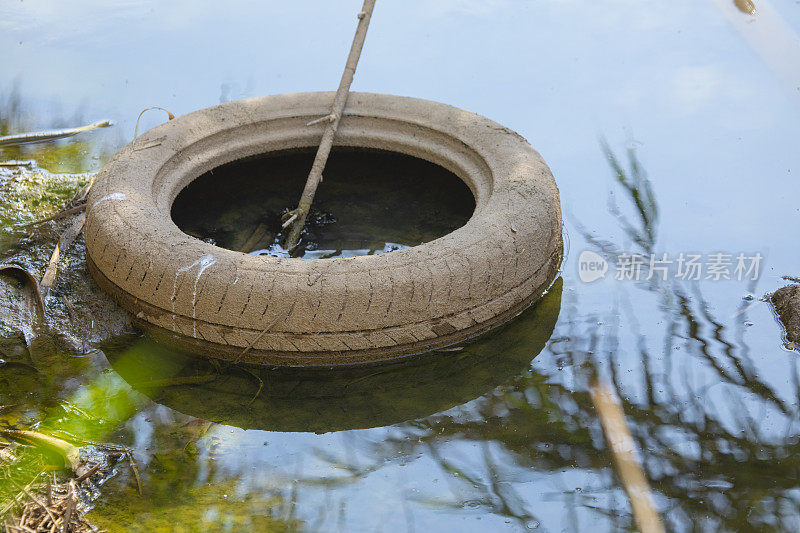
pixel 369 202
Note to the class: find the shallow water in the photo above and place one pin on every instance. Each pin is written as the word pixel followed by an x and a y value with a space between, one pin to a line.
pixel 699 108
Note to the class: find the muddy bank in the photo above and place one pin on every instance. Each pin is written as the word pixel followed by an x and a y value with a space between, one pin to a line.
pixel 77 314
pixel 786 301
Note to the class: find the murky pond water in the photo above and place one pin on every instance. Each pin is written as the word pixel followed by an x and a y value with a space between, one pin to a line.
pixel 372 202
pixel 671 128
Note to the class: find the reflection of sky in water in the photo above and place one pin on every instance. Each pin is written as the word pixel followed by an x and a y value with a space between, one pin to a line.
pixel 677 78
pixel 713 121
pixel 276 250
pixel 385 494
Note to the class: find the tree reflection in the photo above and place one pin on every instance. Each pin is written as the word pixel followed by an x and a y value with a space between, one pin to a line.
pixel 696 403
pixel 717 431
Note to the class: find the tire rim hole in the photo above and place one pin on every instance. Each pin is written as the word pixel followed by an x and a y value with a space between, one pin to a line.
pixel 371 201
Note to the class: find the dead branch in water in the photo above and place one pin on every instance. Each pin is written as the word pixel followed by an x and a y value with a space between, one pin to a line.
pixel 255 238
pixel 49 278
pixel 324 150
pixel 50 135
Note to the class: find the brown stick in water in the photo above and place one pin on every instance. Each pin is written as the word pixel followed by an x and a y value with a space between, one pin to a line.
pixel 324 150
pixel 49 278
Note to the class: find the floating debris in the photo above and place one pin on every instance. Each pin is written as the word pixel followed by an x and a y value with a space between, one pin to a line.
pixel 50 135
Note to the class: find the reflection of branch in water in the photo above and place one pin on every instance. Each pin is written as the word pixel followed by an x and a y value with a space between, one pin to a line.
pixel 489 491
pixel 742 372
pixel 732 450
pixel 637 186
pixel 708 457
pixel 694 405
pixel 626 457
pixel 705 466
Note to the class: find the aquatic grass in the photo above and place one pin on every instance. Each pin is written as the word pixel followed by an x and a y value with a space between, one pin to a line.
pixel 215 507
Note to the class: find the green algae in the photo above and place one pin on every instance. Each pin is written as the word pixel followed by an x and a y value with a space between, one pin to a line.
pixel 206 508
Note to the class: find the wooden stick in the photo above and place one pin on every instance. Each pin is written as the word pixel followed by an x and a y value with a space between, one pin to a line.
pixel 61 214
pixel 135 472
pixel 623 448
pixel 324 150
pixel 41 136
pixel 254 239
pixel 71 495
pixel 35 500
pixel 89 473
pixel 49 278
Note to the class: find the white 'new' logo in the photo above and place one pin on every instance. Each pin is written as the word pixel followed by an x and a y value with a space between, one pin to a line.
pixel 591 266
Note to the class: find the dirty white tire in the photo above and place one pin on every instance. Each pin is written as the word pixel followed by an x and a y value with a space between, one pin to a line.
pixel 305 312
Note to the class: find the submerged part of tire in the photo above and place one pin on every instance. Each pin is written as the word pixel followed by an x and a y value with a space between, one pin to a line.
pixel 352 397
pixel 324 312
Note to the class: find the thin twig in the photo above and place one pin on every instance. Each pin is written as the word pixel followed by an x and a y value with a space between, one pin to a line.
pixel 49 278
pixel 83 192
pixel 71 311
pixel 61 214
pixel 260 384
pixel 254 341
pixel 170 116
pixel 71 497
pixel 135 472
pixel 289 220
pixel 333 118
pixel 50 135
pixel 34 499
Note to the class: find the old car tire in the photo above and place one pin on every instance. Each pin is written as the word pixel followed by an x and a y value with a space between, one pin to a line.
pixel 309 312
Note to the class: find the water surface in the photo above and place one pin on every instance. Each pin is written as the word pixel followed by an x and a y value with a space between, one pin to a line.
pixel 670 128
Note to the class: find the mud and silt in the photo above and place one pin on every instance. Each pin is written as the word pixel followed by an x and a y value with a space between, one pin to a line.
pixel 786 301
